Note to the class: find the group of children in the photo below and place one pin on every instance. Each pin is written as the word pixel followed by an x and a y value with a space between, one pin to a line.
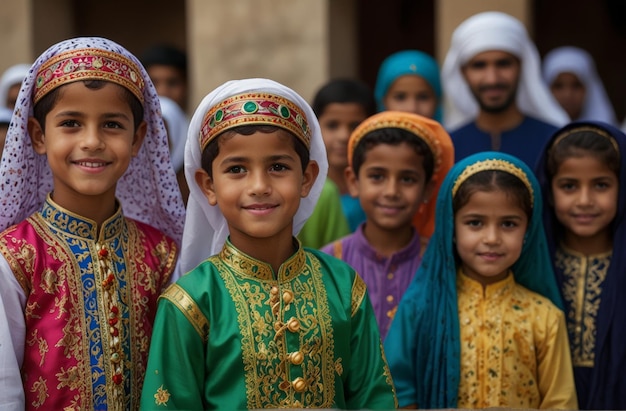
pixel 450 294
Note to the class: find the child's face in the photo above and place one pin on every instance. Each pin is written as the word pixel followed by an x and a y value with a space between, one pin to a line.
pixel 169 82
pixel 570 92
pixel 489 233
pixel 257 183
pixel 585 198
pixel 391 186
pixel 89 141
pixel 411 94
pixel 337 122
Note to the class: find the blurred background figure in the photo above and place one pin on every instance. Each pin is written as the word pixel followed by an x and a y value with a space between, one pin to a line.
pixel 571 74
pixel 10 84
pixel 177 124
pixel 5 120
pixel 409 81
pixel 167 67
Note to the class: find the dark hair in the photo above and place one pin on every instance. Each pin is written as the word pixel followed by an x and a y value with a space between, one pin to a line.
pixel 212 150
pixel 344 91
pixel 165 55
pixel 579 142
pixel 394 137
pixel 490 181
pixel 47 102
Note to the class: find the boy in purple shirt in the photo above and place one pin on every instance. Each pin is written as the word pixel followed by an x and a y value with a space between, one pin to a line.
pixel 396 163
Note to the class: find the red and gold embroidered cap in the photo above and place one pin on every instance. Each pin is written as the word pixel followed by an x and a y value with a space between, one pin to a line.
pixel 88 64
pixel 254 108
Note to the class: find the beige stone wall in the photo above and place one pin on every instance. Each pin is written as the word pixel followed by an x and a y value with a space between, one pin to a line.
pixel 450 13
pixel 15 33
pixel 284 40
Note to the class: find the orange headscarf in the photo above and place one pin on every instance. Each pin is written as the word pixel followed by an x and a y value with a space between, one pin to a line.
pixel 434 135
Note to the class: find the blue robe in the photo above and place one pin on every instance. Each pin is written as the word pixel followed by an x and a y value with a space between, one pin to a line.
pixel 524 141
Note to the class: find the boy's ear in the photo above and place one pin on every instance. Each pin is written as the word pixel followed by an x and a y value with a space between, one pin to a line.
pixel 352 181
pixel 36 135
pixel 310 174
pixel 138 138
pixel 205 182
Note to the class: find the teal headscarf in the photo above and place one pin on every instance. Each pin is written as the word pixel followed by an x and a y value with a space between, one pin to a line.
pixel 404 63
pixel 423 345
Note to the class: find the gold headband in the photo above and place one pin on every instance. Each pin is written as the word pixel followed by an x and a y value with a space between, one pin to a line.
pixel 493 165
pixel 254 108
pixel 592 129
pixel 88 64
pixel 404 121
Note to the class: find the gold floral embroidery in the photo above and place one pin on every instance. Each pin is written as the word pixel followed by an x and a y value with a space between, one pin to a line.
pixel 582 288
pixel 162 396
pixel 41 344
pixel 68 378
pixel 498 347
pixel 41 392
pixel 287 334
pixel 358 293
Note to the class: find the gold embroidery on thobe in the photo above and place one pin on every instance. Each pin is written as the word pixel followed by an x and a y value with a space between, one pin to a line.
pixel 41 390
pixel 26 254
pixel 358 293
pixel 179 297
pixel 162 396
pixel 582 287
pixel 278 316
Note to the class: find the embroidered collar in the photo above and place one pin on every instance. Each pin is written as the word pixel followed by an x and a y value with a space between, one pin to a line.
pixel 76 225
pixel 496 290
pixel 247 266
pixel 572 253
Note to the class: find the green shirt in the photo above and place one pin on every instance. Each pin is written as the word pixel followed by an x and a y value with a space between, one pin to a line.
pixel 231 334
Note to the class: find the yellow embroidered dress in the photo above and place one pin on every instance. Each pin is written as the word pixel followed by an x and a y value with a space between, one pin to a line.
pixel 512 342
pixel 233 335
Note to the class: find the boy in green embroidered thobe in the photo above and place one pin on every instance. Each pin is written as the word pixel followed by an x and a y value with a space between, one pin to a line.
pixel 263 322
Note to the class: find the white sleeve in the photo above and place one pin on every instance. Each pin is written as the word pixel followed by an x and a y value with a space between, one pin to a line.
pixel 12 335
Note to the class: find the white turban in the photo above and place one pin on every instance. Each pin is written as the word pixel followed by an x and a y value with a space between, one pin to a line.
pixel 206 229
pixel 597 105
pixel 495 31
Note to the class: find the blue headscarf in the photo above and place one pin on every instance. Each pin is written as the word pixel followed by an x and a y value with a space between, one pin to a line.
pixel 607 388
pixel 408 62
pixel 423 346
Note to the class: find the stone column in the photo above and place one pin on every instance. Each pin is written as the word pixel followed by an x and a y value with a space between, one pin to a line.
pixel 283 40
pixel 450 13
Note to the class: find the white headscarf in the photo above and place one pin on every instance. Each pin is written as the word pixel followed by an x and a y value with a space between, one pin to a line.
pixel 206 229
pixel 148 191
pixel 11 76
pixel 577 61
pixel 177 125
pixel 495 31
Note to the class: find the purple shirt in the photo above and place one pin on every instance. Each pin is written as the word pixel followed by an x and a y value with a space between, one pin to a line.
pixel 387 278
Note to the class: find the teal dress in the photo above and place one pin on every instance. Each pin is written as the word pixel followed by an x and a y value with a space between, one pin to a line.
pixel 232 334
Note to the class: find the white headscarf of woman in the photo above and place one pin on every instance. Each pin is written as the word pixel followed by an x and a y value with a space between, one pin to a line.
pixel 177 125
pixel 12 76
pixel 495 31
pixel 206 229
pixel 148 191
pixel 574 60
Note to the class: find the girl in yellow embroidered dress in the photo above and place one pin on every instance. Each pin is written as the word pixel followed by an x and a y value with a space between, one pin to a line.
pixel 477 327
